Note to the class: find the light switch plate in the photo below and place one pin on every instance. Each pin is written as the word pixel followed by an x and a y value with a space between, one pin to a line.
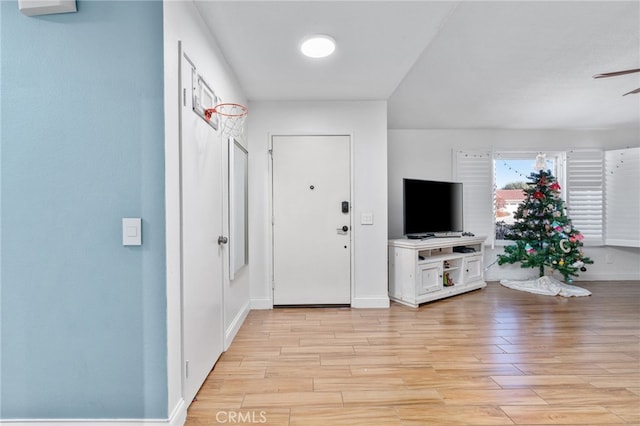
pixel 366 218
pixel 131 231
pixel 46 7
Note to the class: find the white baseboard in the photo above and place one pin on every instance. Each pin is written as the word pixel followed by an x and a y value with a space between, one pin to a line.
pixel 581 278
pixel 370 302
pixel 178 418
pixel 261 304
pixel 609 277
pixel 235 325
pixel 84 422
pixel 90 422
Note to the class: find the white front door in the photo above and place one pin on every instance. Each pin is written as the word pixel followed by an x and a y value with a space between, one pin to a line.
pixel 311 220
pixel 202 256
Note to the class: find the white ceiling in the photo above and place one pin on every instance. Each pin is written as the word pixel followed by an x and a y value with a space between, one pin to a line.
pixel 445 65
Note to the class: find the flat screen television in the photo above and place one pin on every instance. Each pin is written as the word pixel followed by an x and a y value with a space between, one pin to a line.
pixel 431 208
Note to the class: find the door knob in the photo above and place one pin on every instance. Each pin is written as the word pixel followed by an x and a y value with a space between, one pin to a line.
pixel 345 228
pixel 222 240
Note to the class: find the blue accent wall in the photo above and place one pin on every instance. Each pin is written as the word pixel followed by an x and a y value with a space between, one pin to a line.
pixel 83 318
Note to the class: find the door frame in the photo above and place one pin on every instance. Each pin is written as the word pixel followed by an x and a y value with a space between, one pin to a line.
pixel 352 246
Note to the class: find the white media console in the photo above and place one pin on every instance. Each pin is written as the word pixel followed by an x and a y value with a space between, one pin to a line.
pixel 424 270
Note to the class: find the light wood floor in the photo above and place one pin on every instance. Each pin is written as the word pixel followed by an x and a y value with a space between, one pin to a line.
pixel 491 357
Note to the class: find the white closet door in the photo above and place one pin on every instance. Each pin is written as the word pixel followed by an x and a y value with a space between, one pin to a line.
pixel 202 256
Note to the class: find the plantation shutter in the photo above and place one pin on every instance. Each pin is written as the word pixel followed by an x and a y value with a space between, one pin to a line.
pixel 475 170
pixel 622 178
pixel 585 197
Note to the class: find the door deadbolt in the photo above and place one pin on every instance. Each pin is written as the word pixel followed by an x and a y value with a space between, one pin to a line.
pixel 222 240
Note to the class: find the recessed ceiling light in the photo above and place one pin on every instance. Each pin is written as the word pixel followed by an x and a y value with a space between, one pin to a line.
pixel 318 46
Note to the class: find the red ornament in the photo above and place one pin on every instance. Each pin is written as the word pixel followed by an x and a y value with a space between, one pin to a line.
pixel 554 186
pixel 542 181
pixel 538 195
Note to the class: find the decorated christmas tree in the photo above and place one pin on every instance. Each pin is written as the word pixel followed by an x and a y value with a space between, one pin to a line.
pixel 543 234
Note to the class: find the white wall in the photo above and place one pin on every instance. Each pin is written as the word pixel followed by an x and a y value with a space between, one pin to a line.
pixel 366 122
pixel 427 154
pixel 183 22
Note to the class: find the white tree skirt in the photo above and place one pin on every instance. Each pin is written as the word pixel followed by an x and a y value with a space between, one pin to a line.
pixel 548 286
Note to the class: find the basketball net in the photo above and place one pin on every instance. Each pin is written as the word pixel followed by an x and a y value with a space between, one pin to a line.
pixel 230 116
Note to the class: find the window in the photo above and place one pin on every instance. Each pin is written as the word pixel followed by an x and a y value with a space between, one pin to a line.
pixel 483 173
pixel 512 171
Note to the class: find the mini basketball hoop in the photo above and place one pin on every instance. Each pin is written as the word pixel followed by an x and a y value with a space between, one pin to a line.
pixel 231 116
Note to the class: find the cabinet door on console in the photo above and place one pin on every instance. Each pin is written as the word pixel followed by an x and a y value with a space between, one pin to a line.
pixel 472 269
pixel 430 278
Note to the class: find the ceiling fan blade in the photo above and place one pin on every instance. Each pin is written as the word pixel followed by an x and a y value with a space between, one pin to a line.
pixel 616 73
pixel 633 91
